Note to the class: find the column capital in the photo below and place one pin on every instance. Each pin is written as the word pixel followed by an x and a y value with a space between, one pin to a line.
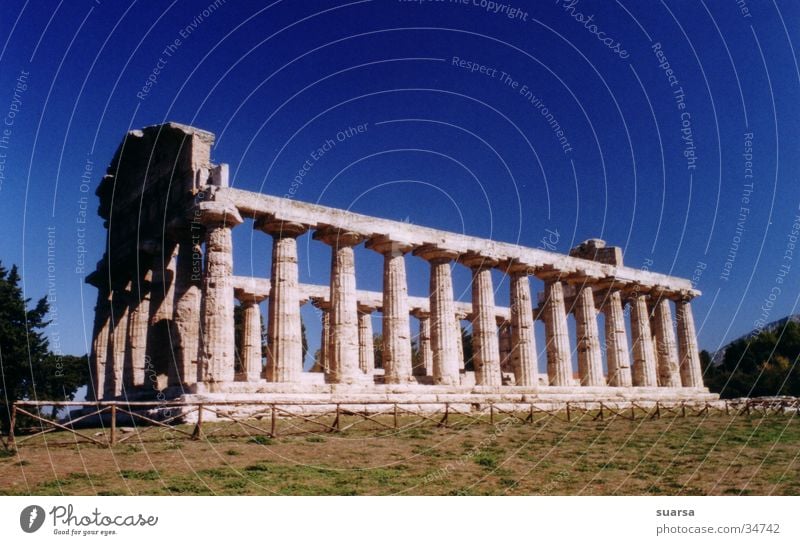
pixel 548 273
pixel 366 309
pixel 633 291
pixel 279 228
pixel 581 278
pixel 435 254
pixel 383 244
pixel 684 296
pixel 420 314
pixel 474 260
pixel 245 296
pixel 502 321
pixel 320 303
pixel 218 213
pixel 338 238
pixel 515 266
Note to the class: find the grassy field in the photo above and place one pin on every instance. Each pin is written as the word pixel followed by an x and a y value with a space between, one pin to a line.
pixel 713 455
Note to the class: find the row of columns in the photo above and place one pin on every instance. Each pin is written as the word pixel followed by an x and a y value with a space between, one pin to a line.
pixel 658 360
pixel 347 353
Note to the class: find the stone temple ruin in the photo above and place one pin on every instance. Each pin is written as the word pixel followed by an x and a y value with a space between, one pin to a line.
pixel 164 319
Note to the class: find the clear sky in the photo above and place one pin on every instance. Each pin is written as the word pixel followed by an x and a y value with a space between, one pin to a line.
pixel 667 128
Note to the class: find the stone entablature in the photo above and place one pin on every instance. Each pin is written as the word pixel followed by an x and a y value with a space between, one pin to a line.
pixel 180 279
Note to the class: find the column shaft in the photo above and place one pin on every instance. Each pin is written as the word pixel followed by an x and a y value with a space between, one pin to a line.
pixel 396 351
pixel 559 360
pixel 344 347
pixel 366 348
pixel 218 343
pixel 187 309
pixel 523 340
pixel 444 341
pixel 285 362
pixel 617 355
pixel 669 375
pixel 504 343
pixel 485 348
pixel 691 371
pixel 100 337
pixel 118 344
pixel 459 340
pixel 138 327
pixel 251 336
pixel 325 341
pixel 644 358
pixel 424 366
pixel 590 360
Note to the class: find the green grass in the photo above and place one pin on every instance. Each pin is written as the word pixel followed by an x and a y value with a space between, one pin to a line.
pixel 715 455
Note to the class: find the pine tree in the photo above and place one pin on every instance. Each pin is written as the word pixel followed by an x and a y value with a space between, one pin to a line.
pixel 28 370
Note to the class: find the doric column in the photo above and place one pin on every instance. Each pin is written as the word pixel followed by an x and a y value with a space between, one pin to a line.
pixel 325 341
pixel 366 348
pixel 396 349
pixel 284 329
pixel 118 342
pixel 559 358
pixel 523 340
pixel 424 367
pixel 251 334
pixel 138 328
pixel 187 305
pixel 460 339
pixel 590 359
pixel 159 343
pixel 218 345
pixel 100 335
pixel 669 375
pixel 504 344
pixel 485 348
pixel 691 371
pixel 343 357
pixel 618 358
pixel 321 363
pixel 443 332
pixel 644 358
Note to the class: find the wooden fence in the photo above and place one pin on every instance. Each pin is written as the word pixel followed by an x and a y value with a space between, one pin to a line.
pixel 332 420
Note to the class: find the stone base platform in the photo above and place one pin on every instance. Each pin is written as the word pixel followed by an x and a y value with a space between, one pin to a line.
pixel 324 398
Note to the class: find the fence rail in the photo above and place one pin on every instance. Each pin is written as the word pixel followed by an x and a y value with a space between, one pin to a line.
pixel 441 414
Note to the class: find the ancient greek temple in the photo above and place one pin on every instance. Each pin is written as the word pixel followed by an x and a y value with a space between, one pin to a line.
pixel 165 313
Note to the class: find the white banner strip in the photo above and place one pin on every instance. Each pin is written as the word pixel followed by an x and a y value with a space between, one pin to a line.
pixel 400 520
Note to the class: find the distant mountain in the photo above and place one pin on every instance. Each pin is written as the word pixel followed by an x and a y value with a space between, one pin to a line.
pixel 718 356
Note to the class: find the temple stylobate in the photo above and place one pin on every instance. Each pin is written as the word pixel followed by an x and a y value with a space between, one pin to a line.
pixel 167 294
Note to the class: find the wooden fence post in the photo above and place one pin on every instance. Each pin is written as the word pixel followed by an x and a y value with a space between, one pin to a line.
pixel 199 424
pixel 13 422
pixel 491 413
pixel 272 431
pixel 113 424
pixel 569 416
pixel 395 416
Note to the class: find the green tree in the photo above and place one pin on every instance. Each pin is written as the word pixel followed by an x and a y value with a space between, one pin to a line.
pixel 765 364
pixel 28 370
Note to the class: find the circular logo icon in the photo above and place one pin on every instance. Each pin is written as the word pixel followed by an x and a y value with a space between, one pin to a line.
pixel 31 518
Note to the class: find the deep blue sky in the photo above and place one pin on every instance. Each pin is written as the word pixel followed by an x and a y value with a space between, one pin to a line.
pixel 443 147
